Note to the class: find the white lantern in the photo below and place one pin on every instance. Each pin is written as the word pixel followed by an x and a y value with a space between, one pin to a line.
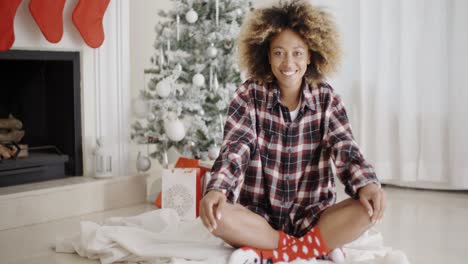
pixel 175 129
pixel 198 79
pixel 191 16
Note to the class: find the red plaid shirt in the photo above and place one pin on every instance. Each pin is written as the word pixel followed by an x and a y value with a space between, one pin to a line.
pixel 282 169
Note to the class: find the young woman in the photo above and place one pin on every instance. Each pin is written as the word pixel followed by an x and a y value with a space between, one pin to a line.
pixel 272 192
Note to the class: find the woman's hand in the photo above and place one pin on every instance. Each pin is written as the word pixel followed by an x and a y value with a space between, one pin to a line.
pixel 211 207
pixel 373 199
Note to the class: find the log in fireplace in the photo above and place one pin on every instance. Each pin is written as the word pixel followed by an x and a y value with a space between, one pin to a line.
pixel 42 89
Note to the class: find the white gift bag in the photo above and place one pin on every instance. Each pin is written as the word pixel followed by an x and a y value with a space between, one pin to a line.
pixel 179 191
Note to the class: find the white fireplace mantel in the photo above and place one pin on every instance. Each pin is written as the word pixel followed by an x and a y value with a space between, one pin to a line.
pixel 105 79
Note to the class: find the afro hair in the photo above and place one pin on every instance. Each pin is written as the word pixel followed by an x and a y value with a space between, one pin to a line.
pixel 316 27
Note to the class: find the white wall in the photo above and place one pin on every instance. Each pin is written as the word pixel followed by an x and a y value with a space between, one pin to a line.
pixel 143 18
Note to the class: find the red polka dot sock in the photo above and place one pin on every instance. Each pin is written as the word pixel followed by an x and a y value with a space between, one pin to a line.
pixel 289 248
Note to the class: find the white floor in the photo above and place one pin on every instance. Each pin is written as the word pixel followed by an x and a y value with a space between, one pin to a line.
pixel 431 227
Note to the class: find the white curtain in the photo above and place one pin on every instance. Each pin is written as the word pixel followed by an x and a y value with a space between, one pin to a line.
pixel 409 100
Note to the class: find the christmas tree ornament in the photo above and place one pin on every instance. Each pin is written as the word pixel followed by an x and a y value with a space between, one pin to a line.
pixel 161 60
pixel 198 80
pixel 168 45
pixel 7 16
pixel 163 88
pixel 215 82
pixel 140 108
pixel 174 129
pixel 213 152
pixel 151 117
pixel 178 67
pixel 48 15
pixel 143 163
pixel 191 16
pixel 177 27
pixel 87 17
pixel 228 44
pixel 217 12
pixel 212 51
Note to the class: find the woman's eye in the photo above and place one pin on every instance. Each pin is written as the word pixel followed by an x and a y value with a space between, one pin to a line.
pixel 278 53
pixel 298 53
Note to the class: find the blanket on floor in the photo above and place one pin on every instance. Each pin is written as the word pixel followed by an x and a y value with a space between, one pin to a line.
pixel 160 237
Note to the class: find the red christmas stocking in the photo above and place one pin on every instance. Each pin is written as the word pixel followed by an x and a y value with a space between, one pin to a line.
pixel 87 17
pixel 49 17
pixel 7 15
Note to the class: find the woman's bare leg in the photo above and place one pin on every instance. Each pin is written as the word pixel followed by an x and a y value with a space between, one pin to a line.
pixel 338 224
pixel 343 222
pixel 241 227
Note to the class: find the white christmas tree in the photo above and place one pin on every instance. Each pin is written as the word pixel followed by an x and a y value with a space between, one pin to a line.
pixel 192 78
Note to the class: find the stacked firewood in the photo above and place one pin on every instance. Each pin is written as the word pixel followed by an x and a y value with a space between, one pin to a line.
pixel 10 135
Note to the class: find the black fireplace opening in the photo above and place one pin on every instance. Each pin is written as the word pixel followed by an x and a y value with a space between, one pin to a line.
pixel 42 90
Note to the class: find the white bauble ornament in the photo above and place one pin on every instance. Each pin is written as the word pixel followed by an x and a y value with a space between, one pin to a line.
pixel 151 117
pixel 175 129
pixel 163 89
pixel 191 16
pixel 198 79
pixel 143 163
pixel 140 108
pixel 212 51
pixel 213 152
pixel 178 67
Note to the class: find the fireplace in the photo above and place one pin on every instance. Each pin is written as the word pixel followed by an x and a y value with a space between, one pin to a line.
pixel 42 90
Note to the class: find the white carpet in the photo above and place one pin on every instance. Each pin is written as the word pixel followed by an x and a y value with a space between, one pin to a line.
pixel 160 237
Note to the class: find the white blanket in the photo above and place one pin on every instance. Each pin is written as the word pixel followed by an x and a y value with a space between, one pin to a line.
pixel 160 237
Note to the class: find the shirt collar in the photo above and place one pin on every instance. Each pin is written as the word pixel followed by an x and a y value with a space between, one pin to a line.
pixel 274 95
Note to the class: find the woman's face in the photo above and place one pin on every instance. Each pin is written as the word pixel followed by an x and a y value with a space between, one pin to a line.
pixel 289 57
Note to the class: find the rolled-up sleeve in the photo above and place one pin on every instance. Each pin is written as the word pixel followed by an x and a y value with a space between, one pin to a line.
pixel 227 174
pixel 351 167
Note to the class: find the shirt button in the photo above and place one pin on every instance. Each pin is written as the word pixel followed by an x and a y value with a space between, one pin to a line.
pixel 289 149
pixel 286 204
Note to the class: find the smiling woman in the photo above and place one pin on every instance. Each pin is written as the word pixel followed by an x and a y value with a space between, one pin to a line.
pixel 289 58
pixel 272 190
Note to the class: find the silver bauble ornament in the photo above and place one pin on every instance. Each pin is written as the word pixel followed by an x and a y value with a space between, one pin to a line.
pixel 191 16
pixel 163 89
pixel 212 51
pixel 174 129
pixel 143 163
pixel 213 152
pixel 198 79
pixel 150 117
